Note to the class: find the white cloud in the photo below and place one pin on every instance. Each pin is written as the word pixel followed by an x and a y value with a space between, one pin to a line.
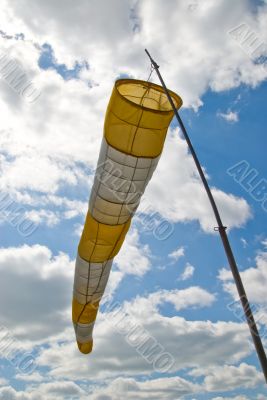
pixel 43 216
pixel 231 398
pixel 188 272
pixel 220 342
pixel 34 275
pixel 228 377
pixel 162 388
pixel 56 139
pixel 183 194
pixel 244 242
pixel 176 254
pixel 211 60
pixel 254 279
pixel 119 388
pixel 192 297
pixel 229 116
pixel 3 382
pixel 51 391
pixel 113 356
pixel 33 377
pixel 39 173
pixel 40 300
pixel 133 258
pixel 78 229
pixel 37 289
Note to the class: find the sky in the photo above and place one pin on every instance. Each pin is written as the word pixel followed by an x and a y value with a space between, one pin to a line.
pixel 171 279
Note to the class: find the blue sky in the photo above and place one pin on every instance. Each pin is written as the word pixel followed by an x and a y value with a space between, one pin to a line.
pixel 178 289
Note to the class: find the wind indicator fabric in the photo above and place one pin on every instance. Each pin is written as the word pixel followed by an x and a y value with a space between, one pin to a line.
pixel 136 123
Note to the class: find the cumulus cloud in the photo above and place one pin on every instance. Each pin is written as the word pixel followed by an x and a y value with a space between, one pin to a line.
pixel 56 140
pixel 231 398
pixel 254 278
pixel 229 116
pixel 119 388
pixel 255 281
pixel 134 258
pixel 188 272
pixel 3 382
pixel 176 254
pixel 211 60
pixel 116 341
pixel 43 216
pixel 193 296
pixel 114 355
pixel 163 388
pixel 40 299
pixel 50 391
pixel 229 377
pixel 185 199
pixel 36 287
pixel 244 243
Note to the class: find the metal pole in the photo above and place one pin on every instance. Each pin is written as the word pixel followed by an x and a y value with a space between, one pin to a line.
pixel 222 230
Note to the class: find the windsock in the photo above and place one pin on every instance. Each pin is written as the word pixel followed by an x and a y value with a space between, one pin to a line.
pixel 136 123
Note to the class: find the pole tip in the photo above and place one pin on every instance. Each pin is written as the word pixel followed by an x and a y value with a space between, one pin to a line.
pixel 151 59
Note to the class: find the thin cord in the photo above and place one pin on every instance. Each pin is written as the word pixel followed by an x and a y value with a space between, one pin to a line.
pixel 152 68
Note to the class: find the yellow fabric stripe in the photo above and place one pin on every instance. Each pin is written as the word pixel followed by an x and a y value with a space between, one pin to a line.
pixel 85 348
pixel 84 313
pixel 138 117
pixel 100 242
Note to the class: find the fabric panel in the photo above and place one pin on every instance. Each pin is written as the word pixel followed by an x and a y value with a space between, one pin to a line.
pixel 138 116
pixel 101 242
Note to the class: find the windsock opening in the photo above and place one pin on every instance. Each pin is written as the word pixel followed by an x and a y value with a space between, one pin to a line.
pixel 147 95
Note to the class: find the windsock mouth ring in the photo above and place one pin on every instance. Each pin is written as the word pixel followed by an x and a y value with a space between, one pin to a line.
pixel 147 95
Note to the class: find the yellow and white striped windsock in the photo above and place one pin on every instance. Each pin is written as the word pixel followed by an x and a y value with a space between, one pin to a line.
pixel 136 123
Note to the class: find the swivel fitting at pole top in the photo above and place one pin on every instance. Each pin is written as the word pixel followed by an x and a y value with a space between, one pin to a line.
pixel 153 62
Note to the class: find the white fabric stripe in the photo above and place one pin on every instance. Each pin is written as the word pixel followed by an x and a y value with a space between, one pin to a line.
pixel 84 332
pixel 120 181
pixel 90 280
pixel 82 299
pixel 85 286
